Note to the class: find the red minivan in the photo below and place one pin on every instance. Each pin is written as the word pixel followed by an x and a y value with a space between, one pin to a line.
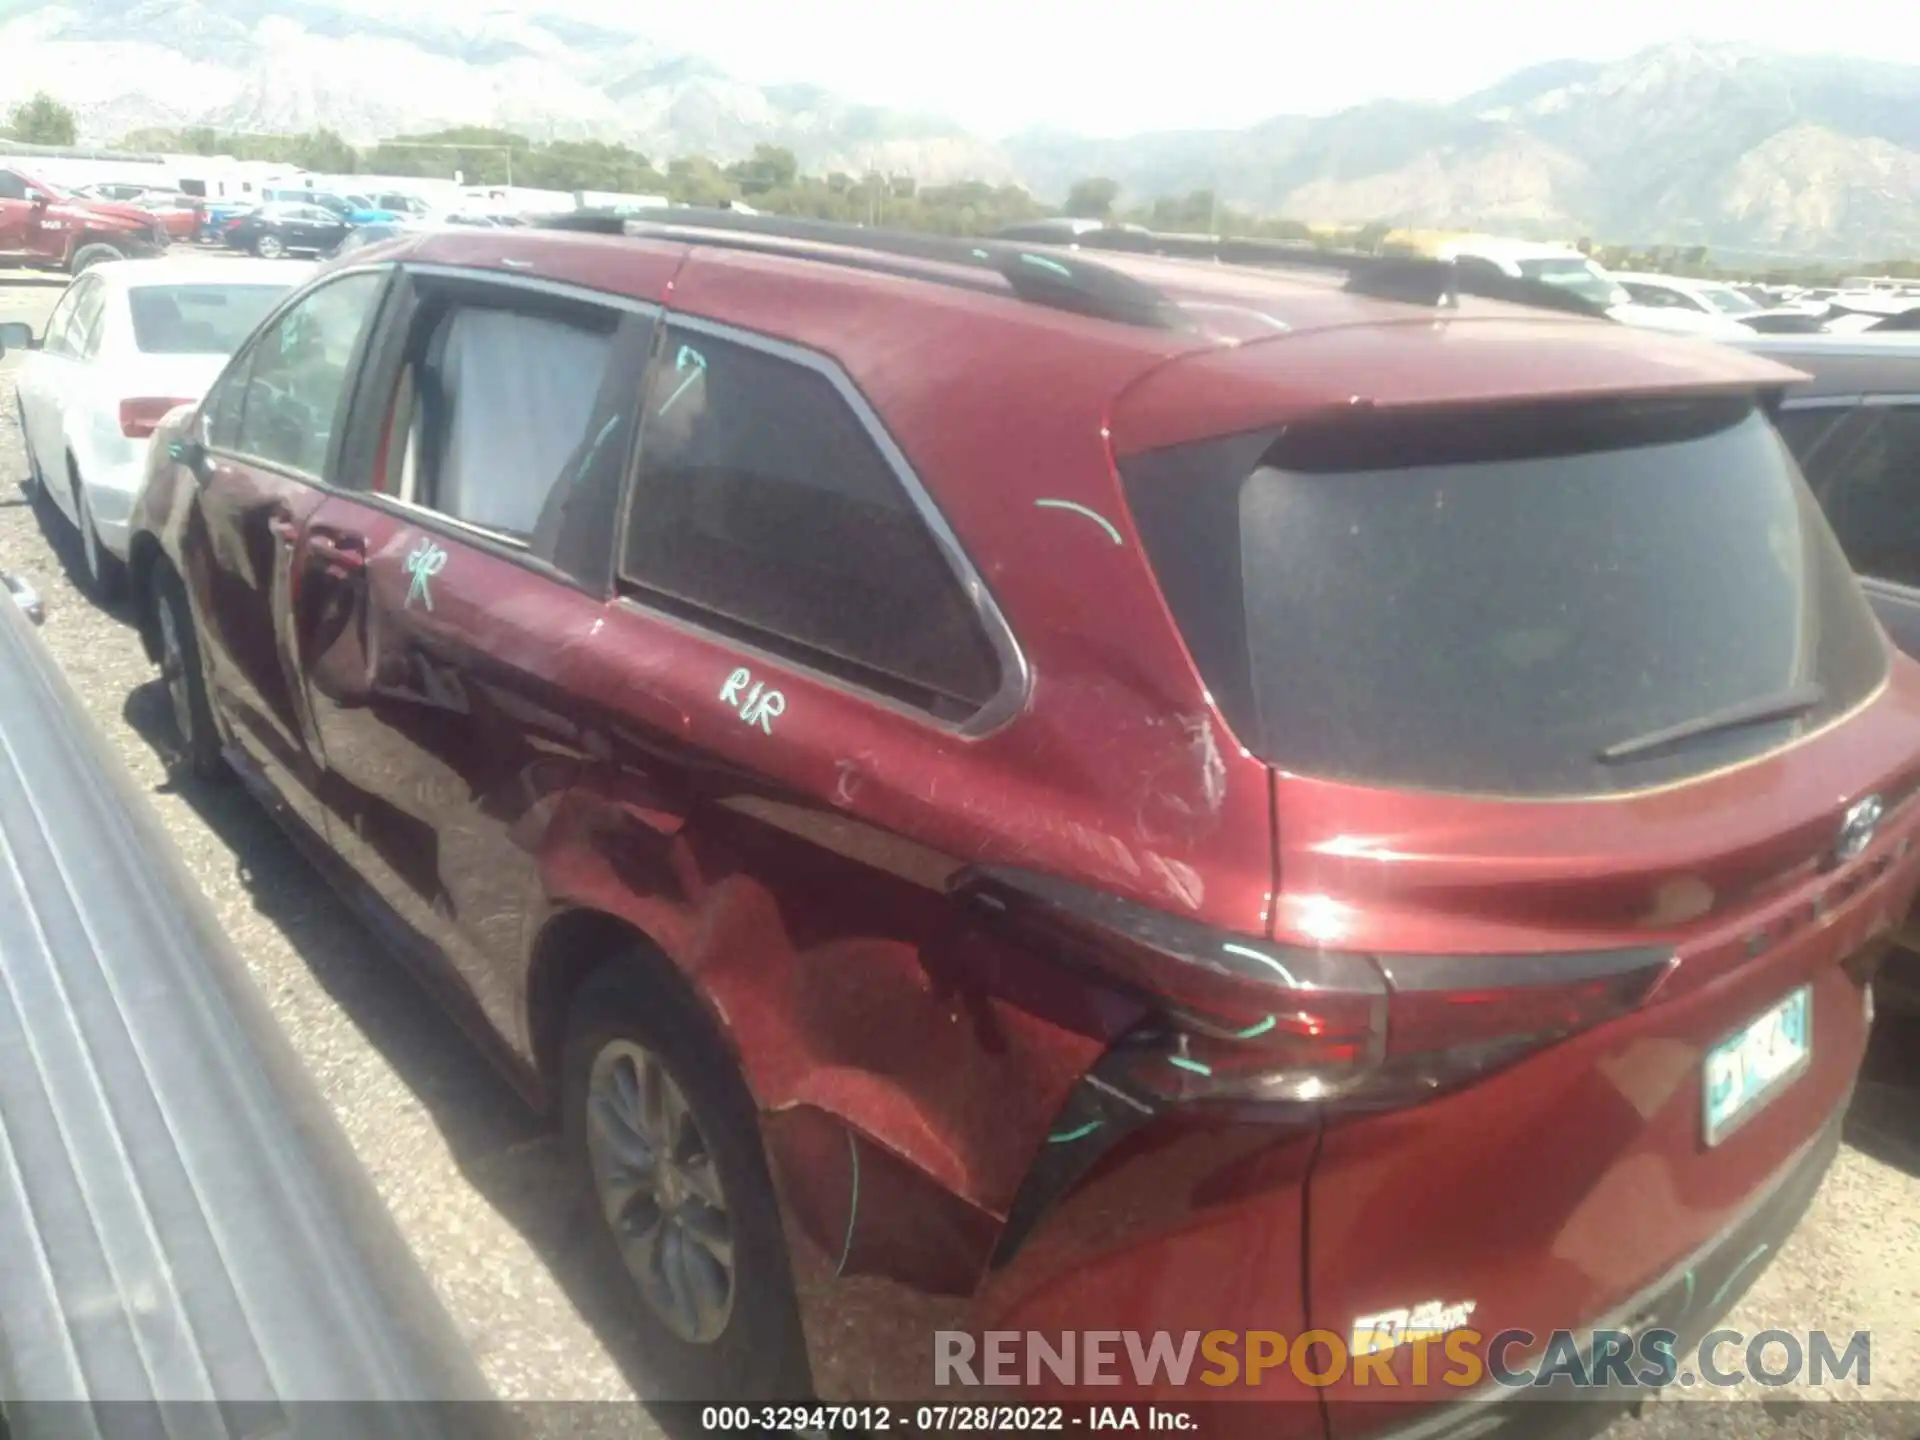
pixel 994 789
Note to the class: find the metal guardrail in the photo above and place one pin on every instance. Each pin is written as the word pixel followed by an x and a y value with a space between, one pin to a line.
pixel 188 1246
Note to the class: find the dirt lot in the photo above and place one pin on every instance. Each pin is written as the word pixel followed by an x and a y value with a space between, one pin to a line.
pixel 477 1186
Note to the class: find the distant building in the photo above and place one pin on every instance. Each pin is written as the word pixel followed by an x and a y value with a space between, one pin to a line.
pixel 212 177
pixel 615 200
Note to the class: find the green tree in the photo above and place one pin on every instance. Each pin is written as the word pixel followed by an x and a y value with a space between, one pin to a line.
pixel 1196 210
pixel 696 180
pixel 43 120
pixel 325 152
pixel 1093 198
pixel 771 167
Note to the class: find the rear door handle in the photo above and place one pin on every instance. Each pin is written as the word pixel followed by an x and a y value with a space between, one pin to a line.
pixel 349 552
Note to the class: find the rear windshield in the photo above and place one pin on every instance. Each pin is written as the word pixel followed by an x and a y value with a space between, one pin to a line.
pixel 1517 602
pixel 198 319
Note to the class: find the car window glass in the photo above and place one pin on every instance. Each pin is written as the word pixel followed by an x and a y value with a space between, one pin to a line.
pixel 1872 495
pixel 1491 600
pixel 505 413
pixel 12 187
pixel 764 506
pixel 83 330
pixel 1806 431
pixel 296 385
pixel 224 405
pixel 53 338
pixel 197 319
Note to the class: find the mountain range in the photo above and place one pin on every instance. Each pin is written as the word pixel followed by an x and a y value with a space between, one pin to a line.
pixel 1724 145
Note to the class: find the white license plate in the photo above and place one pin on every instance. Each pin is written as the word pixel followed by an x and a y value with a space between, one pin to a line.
pixel 1751 1066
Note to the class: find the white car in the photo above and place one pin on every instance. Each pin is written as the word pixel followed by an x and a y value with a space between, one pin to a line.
pixel 1694 307
pixel 1570 270
pixel 1556 265
pixel 127 342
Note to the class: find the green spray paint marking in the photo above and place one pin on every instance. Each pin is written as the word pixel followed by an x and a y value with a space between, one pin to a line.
pixel 1067 1137
pixel 426 561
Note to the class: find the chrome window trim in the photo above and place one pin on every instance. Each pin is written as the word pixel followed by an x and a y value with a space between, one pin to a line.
pixel 1016 676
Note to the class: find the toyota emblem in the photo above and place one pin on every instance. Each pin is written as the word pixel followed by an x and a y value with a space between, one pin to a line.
pixel 1857 828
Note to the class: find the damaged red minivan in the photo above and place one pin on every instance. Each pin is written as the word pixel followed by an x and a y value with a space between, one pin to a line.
pixel 998 789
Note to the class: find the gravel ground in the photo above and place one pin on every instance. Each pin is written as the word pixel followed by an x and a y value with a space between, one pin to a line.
pixel 478 1188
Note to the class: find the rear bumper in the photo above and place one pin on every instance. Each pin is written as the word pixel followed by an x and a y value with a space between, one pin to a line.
pixel 1690 1299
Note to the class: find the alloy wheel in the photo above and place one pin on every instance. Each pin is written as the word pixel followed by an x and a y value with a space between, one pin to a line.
pixel 660 1191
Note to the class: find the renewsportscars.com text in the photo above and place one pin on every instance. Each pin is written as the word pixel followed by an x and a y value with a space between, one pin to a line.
pixel 1578 1360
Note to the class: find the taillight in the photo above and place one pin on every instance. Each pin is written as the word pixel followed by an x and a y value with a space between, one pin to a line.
pixel 140 417
pixel 1240 1018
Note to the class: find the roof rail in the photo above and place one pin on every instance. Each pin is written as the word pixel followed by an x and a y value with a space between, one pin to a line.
pixel 1034 272
pixel 1416 280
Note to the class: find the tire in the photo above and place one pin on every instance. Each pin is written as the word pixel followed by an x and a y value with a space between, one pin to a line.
pixel 269 247
pixel 104 575
pixel 181 672
pixel 93 254
pixel 631 1011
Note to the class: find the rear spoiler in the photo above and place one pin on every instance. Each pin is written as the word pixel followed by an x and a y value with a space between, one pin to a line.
pixel 187 1244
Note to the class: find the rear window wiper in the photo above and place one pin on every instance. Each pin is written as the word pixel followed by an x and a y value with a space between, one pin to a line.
pixel 1782 706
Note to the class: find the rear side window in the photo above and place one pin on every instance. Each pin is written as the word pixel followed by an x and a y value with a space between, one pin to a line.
pixel 505 401
pixel 765 507
pixel 515 412
pixel 1514 602
pixel 198 319
pixel 1870 488
pixel 1806 429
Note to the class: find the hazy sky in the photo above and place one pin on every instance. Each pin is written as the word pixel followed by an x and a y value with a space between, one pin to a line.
pixel 1112 66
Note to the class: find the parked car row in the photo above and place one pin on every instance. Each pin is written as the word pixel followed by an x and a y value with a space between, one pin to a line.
pixel 1712 309
pixel 1011 824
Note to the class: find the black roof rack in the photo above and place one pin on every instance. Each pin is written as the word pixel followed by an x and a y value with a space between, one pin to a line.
pixel 1037 273
pixel 1417 280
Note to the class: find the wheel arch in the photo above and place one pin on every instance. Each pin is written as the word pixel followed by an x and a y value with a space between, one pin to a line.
pixel 574 945
pixel 117 241
pixel 72 468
